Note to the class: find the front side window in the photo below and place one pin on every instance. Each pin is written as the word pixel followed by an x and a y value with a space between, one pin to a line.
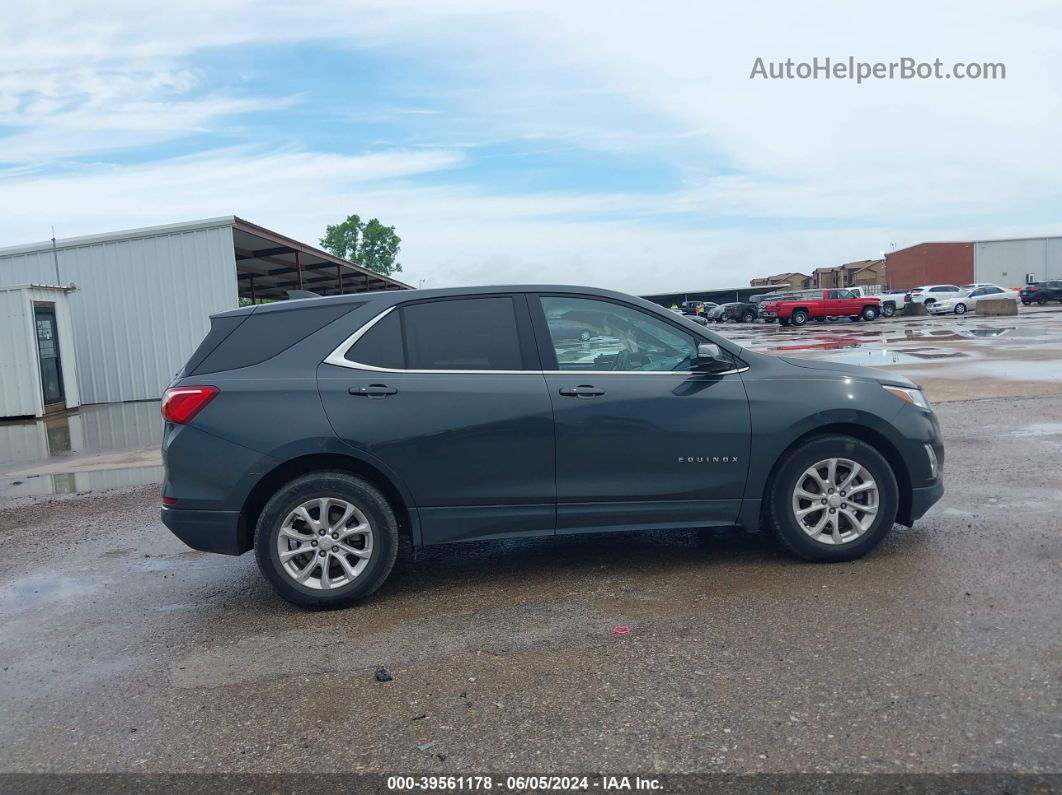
pixel 590 334
pixel 461 334
pixel 841 294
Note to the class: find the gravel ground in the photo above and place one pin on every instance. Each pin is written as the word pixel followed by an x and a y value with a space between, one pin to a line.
pixel 122 650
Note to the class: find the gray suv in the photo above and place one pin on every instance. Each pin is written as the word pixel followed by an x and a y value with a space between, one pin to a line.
pixel 323 432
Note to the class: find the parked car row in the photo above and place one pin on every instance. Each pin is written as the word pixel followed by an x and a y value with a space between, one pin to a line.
pixel 827 305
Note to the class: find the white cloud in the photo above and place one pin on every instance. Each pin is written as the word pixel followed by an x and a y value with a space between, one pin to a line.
pixel 891 161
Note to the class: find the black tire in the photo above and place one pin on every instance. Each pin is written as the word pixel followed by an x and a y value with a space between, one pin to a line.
pixel 779 515
pixel 748 317
pixel 870 313
pixel 799 317
pixel 367 499
pixel 960 309
pixel 929 302
pixel 1042 300
pixel 820 320
pixel 855 318
pixel 888 310
pixel 783 321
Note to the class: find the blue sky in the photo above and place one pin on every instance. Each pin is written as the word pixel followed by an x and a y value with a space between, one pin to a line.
pixel 604 143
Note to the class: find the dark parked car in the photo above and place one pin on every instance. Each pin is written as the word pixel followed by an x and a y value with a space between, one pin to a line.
pixel 743 312
pixel 1041 292
pixel 324 432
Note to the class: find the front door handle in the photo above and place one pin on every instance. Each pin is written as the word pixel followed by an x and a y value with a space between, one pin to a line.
pixel 581 391
pixel 373 391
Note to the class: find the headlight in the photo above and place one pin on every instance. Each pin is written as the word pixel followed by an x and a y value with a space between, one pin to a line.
pixel 910 395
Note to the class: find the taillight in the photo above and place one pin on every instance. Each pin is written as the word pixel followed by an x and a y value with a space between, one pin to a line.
pixel 181 403
pixel 169 501
pixel 1032 288
pixel 907 298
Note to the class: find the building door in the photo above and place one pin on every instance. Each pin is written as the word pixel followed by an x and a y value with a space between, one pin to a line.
pixel 48 353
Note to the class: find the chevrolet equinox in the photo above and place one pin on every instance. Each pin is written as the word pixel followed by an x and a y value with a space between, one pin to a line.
pixel 324 432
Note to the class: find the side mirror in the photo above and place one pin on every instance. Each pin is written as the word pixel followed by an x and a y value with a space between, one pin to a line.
pixel 710 358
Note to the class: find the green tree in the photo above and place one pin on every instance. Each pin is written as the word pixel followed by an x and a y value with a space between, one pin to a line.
pixel 369 244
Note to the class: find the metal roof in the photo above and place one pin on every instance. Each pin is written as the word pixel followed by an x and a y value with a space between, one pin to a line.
pixel 268 263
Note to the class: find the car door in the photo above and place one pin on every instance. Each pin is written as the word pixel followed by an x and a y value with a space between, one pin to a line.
pixel 643 440
pixel 448 395
pixel 844 302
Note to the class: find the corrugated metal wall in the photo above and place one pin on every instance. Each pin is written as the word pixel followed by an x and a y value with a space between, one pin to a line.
pixel 142 305
pixel 20 380
pixel 1005 262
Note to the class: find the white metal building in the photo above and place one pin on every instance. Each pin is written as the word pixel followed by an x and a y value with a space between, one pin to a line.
pixel 1009 262
pixel 143 296
pixel 38 370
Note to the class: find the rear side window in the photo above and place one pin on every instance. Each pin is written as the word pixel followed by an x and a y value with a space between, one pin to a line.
pixel 460 334
pixel 381 345
pixel 463 334
pixel 263 336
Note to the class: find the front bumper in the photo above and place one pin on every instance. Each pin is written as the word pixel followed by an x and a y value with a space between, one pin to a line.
pixel 922 499
pixel 207 531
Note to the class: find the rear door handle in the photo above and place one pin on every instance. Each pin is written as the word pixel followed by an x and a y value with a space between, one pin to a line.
pixel 581 391
pixel 373 391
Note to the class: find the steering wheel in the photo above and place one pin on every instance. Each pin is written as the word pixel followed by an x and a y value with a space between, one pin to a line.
pixel 622 361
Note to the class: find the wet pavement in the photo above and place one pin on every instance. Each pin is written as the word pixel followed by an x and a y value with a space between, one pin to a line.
pixel 952 357
pixel 103 446
pixel 122 650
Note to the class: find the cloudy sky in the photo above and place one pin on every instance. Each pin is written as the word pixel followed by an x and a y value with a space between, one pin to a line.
pixel 615 144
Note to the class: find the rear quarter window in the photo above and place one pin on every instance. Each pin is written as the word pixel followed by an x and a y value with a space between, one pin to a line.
pixel 263 336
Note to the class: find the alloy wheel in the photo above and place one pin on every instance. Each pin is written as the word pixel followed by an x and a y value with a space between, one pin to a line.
pixel 835 501
pixel 325 543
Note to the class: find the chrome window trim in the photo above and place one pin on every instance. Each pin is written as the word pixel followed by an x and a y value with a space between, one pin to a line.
pixel 338 358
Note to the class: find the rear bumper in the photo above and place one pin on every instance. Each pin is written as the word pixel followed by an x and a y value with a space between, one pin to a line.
pixel 207 531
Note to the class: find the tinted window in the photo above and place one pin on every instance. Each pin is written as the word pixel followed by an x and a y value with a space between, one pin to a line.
pixel 943 289
pixel 381 345
pixel 589 334
pixel 263 336
pixel 464 334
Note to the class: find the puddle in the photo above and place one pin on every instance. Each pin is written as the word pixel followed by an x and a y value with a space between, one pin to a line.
pixel 74 482
pixel 103 428
pixel 37 589
pixel 1039 429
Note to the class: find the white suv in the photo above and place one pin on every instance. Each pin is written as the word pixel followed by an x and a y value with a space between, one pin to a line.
pixel 929 294
pixel 966 299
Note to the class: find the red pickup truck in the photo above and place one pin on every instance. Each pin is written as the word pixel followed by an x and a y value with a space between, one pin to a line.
pixel 797 308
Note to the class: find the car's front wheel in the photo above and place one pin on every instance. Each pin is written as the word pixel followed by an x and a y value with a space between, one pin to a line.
pixel 833 498
pixel 960 309
pixel 870 313
pixel 748 317
pixel 326 539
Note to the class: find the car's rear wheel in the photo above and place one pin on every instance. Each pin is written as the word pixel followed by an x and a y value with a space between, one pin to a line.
pixel 855 318
pixel 888 310
pixel 960 309
pixel 870 313
pixel 783 321
pixel 833 498
pixel 799 317
pixel 1042 300
pixel 748 317
pixel 326 539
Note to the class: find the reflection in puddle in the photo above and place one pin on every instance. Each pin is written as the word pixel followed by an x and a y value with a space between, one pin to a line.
pixel 73 482
pixel 103 428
